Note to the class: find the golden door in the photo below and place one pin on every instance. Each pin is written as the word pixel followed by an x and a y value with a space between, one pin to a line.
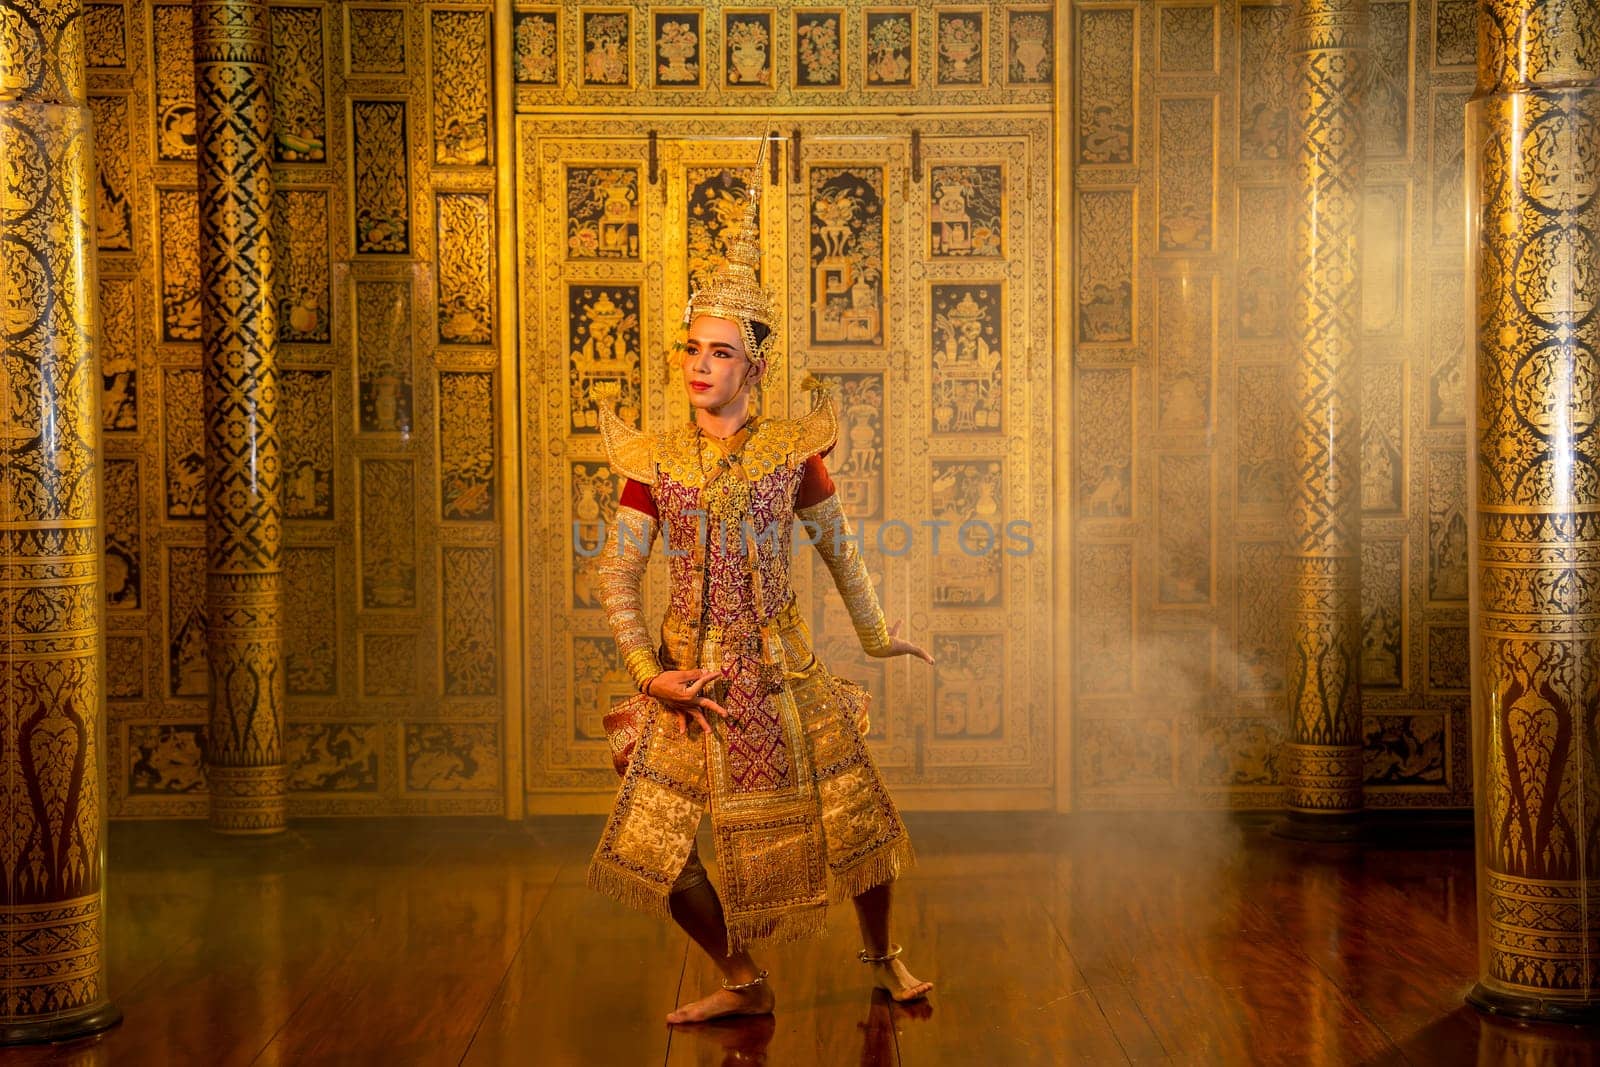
pixel 915 262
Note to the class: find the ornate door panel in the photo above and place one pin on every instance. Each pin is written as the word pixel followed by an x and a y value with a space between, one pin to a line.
pixel 919 282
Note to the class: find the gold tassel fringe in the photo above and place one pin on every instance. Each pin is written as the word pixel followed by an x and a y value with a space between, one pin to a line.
pixel 794 926
pixel 627 889
pixel 874 869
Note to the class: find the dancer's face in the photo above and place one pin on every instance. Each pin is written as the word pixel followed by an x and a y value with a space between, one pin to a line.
pixel 716 369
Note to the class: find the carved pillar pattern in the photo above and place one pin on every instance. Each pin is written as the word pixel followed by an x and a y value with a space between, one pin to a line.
pixel 1534 161
pixel 1324 767
pixel 244 515
pixel 52 696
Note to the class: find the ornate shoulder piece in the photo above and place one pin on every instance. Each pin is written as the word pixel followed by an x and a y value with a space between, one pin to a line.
pixel 787 442
pixel 818 427
pixel 630 452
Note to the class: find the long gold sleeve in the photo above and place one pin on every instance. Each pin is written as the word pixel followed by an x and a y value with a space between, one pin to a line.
pixel 837 545
pixel 621 576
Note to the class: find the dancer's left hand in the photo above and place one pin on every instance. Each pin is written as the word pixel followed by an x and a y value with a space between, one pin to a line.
pixel 899 646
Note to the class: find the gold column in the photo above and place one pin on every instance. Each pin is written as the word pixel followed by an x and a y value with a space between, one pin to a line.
pixel 1324 771
pixel 52 693
pixel 1533 154
pixel 244 515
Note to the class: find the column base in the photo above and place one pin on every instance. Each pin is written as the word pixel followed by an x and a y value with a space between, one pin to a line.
pixel 1308 826
pixel 1533 1009
pixel 83 1023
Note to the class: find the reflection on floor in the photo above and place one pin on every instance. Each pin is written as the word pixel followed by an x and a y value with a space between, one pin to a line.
pixel 1090 939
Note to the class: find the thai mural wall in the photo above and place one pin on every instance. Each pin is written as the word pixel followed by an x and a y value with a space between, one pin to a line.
pixel 1041 252
pixel 1182 198
pixel 390 395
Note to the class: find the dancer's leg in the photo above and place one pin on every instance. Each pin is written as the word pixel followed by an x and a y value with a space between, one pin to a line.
pixel 872 913
pixel 696 907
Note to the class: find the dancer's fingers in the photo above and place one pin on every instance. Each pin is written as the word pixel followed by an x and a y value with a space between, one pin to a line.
pixel 701 719
pixel 712 705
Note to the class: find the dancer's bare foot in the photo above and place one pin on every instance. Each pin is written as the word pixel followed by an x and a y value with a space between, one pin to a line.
pixel 892 977
pixel 755 1001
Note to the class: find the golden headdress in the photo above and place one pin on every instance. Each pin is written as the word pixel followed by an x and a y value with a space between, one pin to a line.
pixel 733 292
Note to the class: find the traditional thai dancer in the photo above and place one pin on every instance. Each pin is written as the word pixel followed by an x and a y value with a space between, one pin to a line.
pixel 736 714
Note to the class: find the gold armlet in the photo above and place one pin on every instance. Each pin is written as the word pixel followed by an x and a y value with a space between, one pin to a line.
pixel 836 544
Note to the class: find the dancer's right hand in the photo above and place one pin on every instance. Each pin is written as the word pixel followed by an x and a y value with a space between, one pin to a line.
pixel 679 691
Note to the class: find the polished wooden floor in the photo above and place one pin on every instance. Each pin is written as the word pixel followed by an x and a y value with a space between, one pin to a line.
pixel 1089 939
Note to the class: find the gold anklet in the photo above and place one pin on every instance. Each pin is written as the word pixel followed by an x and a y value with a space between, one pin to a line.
pixel 893 953
pixel 740 987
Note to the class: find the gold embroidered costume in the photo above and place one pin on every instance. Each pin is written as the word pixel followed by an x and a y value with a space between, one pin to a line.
pixel 799 813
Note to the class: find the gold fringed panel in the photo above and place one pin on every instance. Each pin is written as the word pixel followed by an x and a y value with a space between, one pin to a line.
pixel 1323 758
pixel 1533 127
pixel 244 512
pixel 52 679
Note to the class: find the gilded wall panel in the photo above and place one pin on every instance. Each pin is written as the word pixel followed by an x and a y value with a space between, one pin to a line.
pixel 124 534
pixel 471 621
pixel 1105 635
pixel 113 202
pixel 125 667
pixel 859 458
pixel 1186 38
pixel 1386 103
pixel 464 244
pixel 388 664
pixel 375 39
pixel 1385 237
pixel 677 37
pixel 1447 349
pixel 1107 285
pixel 1186 181
pixel 388 542
pixel 459 52
pixel 165 759
pixel 119 354
pixel 386 329
pixel 1259 629
pixel 967 357
pixel 1447 525
pixel 305 413
pixel 179 229
pixel 1029 45
pixel 311 644
pixel 961 47
pixel 1384 629
pixel 1186 352
pixel 536 46
pixel 1261 448
pixel 172 86
pixel 452 758
pixel 468 471
pixel 299 75
pixel 1263 82
pixel 105 36
pixel 1104 420
pixel 1383 439
pixel 1185 530
pixel 1107 79
pixel 1208 388
pixel 848 265
pixel 183 434
pixel 1405 750
pixel 1447 175
pixel 381 176
pixel 332 757
pixel 301 280
pixel 1263 281
pixel 969 697
pixel 188 674
pixel 385 365
pixel 1455 33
